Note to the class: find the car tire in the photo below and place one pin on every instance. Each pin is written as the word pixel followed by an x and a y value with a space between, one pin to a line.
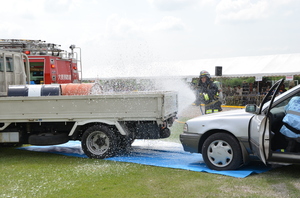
pixel 222 151
pixel 99 142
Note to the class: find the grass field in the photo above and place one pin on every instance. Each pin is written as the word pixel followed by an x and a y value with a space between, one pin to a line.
pixel 34 174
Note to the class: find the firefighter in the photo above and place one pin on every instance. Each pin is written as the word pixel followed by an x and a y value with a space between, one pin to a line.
pixel 208 93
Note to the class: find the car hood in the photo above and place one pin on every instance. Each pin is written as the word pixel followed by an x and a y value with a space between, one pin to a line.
pixel 232 113
pixel 234 121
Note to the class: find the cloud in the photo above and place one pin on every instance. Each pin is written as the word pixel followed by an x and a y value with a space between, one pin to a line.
pixel 170 23
pixel 241 10
pixel 9 30
pixel 15 9
pixel 121 28
pixel 248 10
pixel 275 50
pixel 170 5
pixel 57 6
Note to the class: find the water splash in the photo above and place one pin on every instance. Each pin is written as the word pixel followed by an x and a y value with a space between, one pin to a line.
pixel 143 67
pixel 185 95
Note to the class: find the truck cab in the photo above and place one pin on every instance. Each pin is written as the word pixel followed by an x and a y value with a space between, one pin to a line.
pixel 12 70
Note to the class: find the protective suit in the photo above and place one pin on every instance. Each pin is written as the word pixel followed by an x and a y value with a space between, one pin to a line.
pixel 291 121
pixel 208 93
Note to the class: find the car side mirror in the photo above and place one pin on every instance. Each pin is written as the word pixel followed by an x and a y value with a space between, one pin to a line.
pixel 251 108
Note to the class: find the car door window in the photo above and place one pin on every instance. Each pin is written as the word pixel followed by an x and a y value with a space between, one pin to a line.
pixel 282 104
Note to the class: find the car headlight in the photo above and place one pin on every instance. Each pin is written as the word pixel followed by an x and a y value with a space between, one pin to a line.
pixel 185 128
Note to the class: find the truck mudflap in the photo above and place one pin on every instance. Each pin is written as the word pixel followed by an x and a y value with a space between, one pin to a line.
pixel 151 130
pixel 122 128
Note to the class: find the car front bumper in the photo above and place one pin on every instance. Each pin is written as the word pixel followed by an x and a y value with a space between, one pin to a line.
pixel 190 142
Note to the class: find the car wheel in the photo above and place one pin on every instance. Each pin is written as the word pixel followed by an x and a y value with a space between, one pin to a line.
pixel 222 151
pixel 99 142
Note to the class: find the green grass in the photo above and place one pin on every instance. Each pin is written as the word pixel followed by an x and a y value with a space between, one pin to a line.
pixel 34 174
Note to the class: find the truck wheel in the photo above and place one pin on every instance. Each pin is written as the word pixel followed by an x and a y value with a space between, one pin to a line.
pixel 99 142
pixel 221 151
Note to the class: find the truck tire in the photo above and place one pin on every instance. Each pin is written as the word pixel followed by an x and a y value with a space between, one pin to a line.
pixel 99 142
pixel 45 139
pixel 222 151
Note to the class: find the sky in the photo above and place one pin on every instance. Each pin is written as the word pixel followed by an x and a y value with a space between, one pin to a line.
pixel 121 38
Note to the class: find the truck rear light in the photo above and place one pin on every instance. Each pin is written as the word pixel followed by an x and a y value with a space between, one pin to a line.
pixel 75 68
pixel 53 66
pixel 26 52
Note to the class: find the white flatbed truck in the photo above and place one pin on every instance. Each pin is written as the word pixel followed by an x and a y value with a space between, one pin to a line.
pixel 103 123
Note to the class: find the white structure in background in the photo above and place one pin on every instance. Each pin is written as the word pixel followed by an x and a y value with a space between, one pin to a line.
pixel 256 66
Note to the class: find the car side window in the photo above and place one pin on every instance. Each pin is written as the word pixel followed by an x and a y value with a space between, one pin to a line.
pixel 282 104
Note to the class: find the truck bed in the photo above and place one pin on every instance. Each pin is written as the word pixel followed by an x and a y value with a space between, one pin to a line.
pixel 116 106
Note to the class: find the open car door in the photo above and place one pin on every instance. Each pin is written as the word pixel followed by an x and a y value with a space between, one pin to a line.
pixel 259 126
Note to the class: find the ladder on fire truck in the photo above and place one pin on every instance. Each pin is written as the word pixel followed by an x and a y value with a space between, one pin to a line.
pixel 39 47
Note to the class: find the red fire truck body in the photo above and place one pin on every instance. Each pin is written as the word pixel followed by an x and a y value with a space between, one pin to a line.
pixel 48 64
pixel 51 69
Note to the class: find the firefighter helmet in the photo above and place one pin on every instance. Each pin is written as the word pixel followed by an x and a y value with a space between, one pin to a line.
pixel 204 73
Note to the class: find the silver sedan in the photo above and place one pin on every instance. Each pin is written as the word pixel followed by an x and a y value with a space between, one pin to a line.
pixel 228 140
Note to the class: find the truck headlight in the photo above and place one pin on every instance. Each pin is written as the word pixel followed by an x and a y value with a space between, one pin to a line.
pixel 185 128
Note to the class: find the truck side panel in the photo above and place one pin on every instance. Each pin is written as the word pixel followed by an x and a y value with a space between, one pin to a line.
pixel 49 108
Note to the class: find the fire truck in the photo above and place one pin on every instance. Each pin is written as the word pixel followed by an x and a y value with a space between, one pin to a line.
pixel 48 64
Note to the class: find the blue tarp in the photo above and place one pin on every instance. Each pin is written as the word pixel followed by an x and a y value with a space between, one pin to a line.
pixel 155 153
